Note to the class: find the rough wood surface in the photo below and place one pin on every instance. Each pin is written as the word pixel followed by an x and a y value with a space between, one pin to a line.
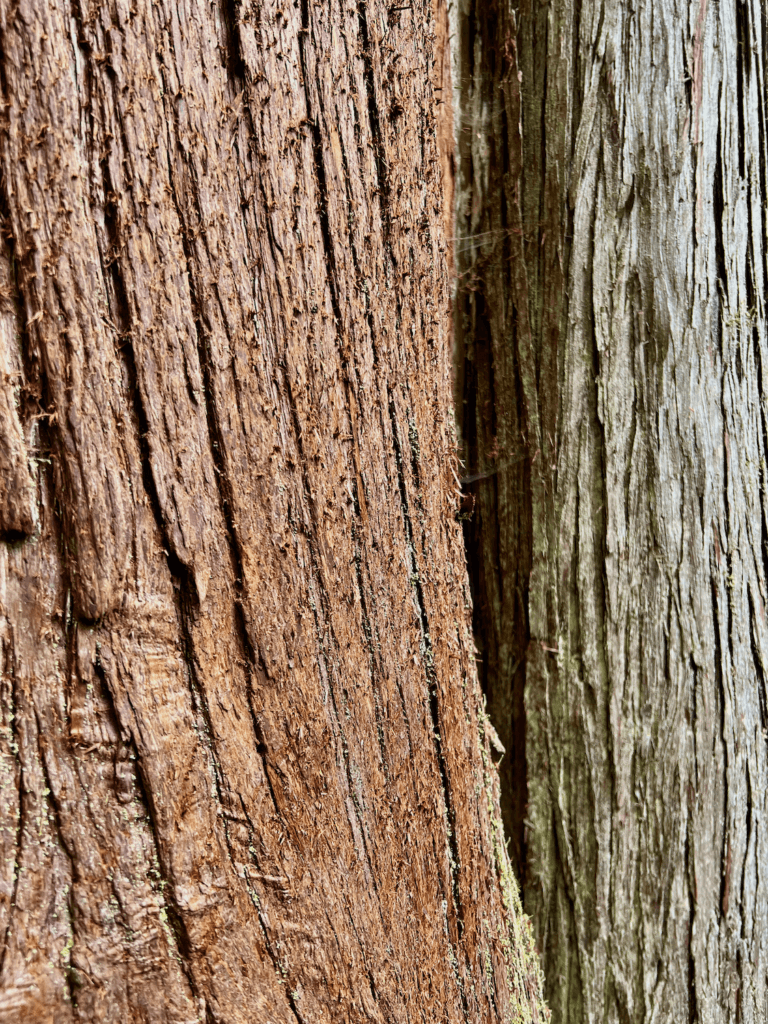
pixel 244 769
pixel 612 255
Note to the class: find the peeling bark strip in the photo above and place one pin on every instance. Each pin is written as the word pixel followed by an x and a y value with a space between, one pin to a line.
pixel 245 773
pixel 612 335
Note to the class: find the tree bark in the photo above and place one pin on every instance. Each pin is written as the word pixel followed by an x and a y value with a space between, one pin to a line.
pixel 245 769
pixel 612 336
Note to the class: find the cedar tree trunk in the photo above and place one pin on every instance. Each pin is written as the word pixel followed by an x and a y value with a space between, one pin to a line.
pixel 245 771
pixel 614 357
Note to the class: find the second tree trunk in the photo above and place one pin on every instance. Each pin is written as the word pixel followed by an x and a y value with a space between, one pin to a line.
pixel 612 344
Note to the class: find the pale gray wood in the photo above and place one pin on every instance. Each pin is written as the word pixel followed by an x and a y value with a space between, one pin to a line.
pixel 611 258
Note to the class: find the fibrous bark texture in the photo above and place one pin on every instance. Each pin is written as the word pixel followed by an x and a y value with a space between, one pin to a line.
pixel 612 342
pixel 244 770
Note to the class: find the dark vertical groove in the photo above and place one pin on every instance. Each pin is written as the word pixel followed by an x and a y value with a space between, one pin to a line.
pixel 20 823
pixel 165 890
pixel 693 1010
pixel 438 731
pixel 743 70
pixel 260 915
pixel 498 532
pixel 750 824
pixel 720 698
pixel 234 62
pixel 319 166
pixel 757 659
pixel 374 119
pixel 38 403
pixel 52 800
pixel 718 210
pixel 370 644
pixel 695 717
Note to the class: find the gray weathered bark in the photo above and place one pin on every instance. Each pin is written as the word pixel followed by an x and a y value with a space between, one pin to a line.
pixel 612 345
pixel 244 774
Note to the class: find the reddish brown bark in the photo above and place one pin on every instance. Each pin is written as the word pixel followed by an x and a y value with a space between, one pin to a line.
pixel 244 768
